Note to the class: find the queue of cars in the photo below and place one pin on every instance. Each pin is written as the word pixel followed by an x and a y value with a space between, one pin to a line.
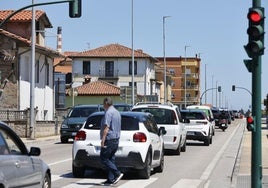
pixel 147 131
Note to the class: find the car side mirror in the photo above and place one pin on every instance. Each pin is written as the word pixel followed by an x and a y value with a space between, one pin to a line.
pixel 162 131
pixel 35 151
pixel 186 120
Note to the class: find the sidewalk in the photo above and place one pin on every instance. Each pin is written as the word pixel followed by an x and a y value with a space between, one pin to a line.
pixel 243 169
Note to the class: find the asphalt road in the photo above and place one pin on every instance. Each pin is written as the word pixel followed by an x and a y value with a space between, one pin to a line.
pixel 200 166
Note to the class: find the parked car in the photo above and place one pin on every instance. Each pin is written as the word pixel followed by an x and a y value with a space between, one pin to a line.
pixel 168 116
pixel 75 119
pixel 208 112
pixel 198 126
pixel 141 146
pixel 18 166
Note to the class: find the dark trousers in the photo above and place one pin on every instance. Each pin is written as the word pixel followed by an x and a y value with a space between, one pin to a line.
pixel 107 156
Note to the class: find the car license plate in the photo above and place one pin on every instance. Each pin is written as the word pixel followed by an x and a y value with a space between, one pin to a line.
pixel 73 134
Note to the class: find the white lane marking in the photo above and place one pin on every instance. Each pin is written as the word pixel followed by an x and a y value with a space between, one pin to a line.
pixel 137 183
pixel 58 162
pixel 189 183
pixel 214 161
pixel 85 183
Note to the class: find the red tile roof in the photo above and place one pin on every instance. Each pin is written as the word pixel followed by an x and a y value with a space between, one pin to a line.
pixel 98 88
pixel 113 50
pixel 27 43
pixel 25 16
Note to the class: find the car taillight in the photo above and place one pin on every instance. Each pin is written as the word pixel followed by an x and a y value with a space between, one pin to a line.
pixel 80 135
pixel 139 137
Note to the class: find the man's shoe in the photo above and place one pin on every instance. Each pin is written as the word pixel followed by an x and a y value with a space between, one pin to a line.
pixel 107 183
pixel 118 178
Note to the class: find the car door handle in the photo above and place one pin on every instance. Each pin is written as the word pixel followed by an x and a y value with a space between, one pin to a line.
pixel 17 164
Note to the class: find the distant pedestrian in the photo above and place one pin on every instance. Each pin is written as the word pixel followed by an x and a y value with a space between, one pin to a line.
pixel 109 135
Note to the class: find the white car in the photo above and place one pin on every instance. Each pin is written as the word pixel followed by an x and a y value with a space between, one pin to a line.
pixel 168 116
pixel 208 112
pixel 198 126
pixel 141 145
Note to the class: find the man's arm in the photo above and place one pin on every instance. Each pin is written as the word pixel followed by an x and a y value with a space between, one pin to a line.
pixel 105 132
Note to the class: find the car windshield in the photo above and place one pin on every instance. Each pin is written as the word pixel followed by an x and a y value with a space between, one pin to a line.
pixel 82 112
pixel 161 115
pixel 192 115
pixel 127 123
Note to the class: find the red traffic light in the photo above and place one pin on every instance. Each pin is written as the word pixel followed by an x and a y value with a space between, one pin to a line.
pixel 250 120
pixel 255 15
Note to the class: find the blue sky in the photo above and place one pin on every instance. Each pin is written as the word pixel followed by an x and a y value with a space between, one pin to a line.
pixel 214 29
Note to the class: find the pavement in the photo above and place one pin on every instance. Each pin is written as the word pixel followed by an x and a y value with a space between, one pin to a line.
pixel 242 171
pixel 241 177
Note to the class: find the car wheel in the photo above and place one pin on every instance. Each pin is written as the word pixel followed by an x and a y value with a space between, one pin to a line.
pixel 64 139
pixel 78 172
pixel 178 150
pixel 183 149
pixel 160 168
pixel 47 181
pixel 145 173
pixel 207 140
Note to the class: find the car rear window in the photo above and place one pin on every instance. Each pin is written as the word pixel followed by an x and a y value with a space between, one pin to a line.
pixel 192 115
pixel 127 123
pixel 161 115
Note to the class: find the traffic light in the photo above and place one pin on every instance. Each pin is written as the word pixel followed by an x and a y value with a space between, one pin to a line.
pixel 75 8
pixel 219 88
pixel 250 123
pixel 255 31
pixel 233 87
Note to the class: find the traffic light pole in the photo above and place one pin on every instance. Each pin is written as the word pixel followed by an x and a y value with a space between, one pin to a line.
pixel 256 144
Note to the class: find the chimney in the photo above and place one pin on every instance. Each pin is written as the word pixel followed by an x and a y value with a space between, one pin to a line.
pixel 59 40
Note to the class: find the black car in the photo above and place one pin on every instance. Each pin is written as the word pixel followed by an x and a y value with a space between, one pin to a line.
pixel 75 119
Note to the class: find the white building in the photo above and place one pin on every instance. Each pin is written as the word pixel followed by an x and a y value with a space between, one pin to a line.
pixel 113 63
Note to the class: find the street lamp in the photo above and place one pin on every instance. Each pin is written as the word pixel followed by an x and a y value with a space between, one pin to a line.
pixel 164 54
pixel 185 102
pixel 132 53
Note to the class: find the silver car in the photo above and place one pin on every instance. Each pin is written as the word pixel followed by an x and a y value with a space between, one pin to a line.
pixel 18 166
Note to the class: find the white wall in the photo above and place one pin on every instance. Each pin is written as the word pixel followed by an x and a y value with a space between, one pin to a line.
pixel 43 93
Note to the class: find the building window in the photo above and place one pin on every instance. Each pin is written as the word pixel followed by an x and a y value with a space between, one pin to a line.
pixel 109 69
pixel 172 71
pixel 130 84
pixel 172 83
pixel 130 68
pixel 86 67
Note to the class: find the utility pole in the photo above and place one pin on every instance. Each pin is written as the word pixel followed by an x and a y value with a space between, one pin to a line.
pixel 255 49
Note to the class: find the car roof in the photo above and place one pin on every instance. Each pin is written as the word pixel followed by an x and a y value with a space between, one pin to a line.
pixel 87 106
pixel 154 105
pixel 198 106
pixel 138 115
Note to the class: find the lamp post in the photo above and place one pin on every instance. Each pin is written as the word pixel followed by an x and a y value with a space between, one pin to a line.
pixel 165 64
pixel 32 95
pixel 132 41
pixel 185 102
